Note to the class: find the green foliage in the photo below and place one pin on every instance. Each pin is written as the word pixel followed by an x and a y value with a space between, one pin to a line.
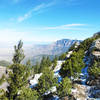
pixel 95 69
pixel 2 79
pixel 36 68
pixel 27 94
pixel 19 54
pixel 4 63
pixel 30 67
pixel 18 76
pixel 54 62
pixel 28 64
pixel 17 79
pixel 45 62
pixel 46 82
pixel 3 95
pixel 62 57
pixel 85 45
pixel 64 88
pixel 73 65
pixel 48 62
pixel 72 47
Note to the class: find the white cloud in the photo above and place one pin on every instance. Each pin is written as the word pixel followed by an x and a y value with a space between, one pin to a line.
pixel 64 27
pixel 38 7
pixel 32 34
pixel 35 10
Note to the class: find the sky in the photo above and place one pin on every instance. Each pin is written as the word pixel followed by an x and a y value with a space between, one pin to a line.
pixel 45 21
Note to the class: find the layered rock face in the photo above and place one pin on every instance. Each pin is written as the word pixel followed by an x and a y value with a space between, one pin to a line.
pixel 95 49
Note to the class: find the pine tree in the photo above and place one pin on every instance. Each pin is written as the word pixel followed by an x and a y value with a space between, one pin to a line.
pixel 64 88
pixel 54 62
pixel 28 94
pixel 46 82
pixel 2 79
pixel 3 95
pixel 73 65
pixel 94 70
pixel 18 75
pixel 45 62
pixel 36 68
pixel 19 54
pixel 42 64
pixel 62 57
pixel 28 64
pixel 48 61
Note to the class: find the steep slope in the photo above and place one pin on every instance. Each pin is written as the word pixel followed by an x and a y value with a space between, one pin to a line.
pixel 90 77
pixel 87 84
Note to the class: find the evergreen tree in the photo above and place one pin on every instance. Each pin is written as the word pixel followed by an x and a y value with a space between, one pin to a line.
pixel 54 62
pixel 19 54
pixel 72 47
pixel 66 69
pixel 2 79
pixel 42 64
pixel 18 75
pixel 3 95
pixel 28 94
pixel 45 62
pixel 94 70
pixel 62 57
pixel 73 65
pixel 36 68
pixel 28 64
pixel 46 82
pixel 30 68
pixel 64 88
pixel 48 61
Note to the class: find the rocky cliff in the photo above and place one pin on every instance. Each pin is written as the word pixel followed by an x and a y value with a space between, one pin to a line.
pixel 94 76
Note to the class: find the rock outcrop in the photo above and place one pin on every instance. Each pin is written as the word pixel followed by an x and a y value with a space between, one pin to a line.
pixel 93 81
pixel 79 92
pixel 96 34
pixel 95 49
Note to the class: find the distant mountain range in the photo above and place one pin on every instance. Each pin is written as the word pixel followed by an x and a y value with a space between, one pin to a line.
pixel 36 52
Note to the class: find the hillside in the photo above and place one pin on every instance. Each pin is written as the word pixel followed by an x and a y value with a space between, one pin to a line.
pixel 4 63
pixel 87 85
pixel 74 76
